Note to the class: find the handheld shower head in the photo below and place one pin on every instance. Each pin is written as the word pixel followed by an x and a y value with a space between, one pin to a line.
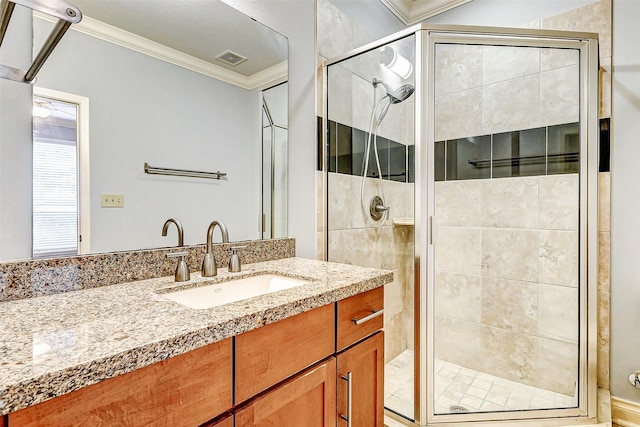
pixel 395 96
pixel 398 95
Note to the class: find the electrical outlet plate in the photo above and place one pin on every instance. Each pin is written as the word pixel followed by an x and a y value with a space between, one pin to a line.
pixel 112 200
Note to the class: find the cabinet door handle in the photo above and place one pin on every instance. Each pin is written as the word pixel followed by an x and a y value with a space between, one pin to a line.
pixel 373 315
pixel 347 417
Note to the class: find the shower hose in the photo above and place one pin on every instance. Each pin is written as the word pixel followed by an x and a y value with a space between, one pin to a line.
pixel 373 131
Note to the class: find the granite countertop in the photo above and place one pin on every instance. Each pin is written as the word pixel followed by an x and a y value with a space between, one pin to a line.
pixel 56 344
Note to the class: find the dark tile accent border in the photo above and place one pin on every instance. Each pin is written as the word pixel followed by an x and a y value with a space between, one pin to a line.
pixel 346 149
pixel 548 150
pixel 349 161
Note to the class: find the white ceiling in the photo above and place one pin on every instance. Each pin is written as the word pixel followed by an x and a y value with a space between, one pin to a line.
pixel 201 29
pixel 413 11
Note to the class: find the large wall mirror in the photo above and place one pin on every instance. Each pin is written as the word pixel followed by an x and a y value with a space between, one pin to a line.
pixel 173 84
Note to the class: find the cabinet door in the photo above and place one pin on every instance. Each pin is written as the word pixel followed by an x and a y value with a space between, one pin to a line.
pixel 361 384
pixel 185 390
pixel 308 399
pixel 268 355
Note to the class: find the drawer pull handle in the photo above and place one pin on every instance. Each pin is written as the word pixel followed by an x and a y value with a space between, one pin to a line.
pixel 347 417
pixel 373 315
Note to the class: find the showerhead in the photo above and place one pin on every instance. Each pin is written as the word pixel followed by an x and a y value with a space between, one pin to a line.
pixel 398 95
pixel 395 96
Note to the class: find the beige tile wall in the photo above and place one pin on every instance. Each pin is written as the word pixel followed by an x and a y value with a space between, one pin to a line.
pixel 596 18
pixel 353 240
pixel 484 90
pixel 593 18
pixel 604 269
pixel 506 272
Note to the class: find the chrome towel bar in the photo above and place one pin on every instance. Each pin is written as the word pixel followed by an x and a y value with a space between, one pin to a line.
pixel 152 170
pixel 66 13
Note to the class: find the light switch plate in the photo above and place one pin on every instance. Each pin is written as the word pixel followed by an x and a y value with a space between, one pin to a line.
pixel 112 200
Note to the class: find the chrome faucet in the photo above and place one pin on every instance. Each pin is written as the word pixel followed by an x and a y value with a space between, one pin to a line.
pixel 209 268
pixel 182 270
pixel 165 227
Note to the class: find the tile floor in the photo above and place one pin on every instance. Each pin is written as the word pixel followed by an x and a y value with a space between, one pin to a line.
pixel 458 386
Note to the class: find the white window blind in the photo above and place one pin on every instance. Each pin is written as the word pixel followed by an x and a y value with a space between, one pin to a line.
pixel 55 198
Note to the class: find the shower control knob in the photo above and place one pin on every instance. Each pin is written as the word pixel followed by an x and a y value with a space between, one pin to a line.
pixel 377 209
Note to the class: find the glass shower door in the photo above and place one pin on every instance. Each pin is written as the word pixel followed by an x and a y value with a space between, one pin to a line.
pixel 507 283
pixel 370 162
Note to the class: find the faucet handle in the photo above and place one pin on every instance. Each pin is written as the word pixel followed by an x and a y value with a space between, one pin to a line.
pixel 182 271
pixel 177 254
pixel 234 261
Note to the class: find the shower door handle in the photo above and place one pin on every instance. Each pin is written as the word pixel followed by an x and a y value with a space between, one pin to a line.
pixel 347 417
pixel 373 315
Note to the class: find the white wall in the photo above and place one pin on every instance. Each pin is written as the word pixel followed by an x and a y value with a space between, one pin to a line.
pixel 15 143
pixel 146 110
pixel 625 199
pixel 378 20
pixel 295 19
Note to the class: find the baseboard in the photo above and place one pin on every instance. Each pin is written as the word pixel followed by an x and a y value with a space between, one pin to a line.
pixel 625 413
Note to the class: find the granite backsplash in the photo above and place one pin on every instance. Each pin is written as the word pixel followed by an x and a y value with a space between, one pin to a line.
pixel 34 278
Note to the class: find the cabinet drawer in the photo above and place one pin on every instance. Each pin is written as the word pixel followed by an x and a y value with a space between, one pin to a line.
pixel 308 399
pixel 272 353
pixel 185 390
pixel 359 316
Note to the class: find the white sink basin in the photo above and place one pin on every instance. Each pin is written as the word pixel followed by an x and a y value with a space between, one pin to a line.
pixel 231 291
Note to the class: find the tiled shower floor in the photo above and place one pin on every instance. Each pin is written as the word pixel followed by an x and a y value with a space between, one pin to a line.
pixel 459 386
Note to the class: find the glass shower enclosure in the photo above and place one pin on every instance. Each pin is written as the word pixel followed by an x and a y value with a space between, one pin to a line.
pixel 465 160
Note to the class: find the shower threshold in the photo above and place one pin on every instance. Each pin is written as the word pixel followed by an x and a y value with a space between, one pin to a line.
pixel 459 389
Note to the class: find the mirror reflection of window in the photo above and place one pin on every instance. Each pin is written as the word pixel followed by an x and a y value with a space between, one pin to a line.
pixel 57 173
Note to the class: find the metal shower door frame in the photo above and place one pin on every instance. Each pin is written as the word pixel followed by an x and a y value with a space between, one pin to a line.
pixel 587 45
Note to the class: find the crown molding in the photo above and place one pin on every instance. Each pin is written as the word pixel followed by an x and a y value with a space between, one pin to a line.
pixel 413 11
pixel 92 27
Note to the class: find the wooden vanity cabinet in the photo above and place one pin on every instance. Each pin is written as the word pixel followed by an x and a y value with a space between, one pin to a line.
pixel 185 390
pixel 288 373
pixel 308 399
pixel 273 353
pixel 360 360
